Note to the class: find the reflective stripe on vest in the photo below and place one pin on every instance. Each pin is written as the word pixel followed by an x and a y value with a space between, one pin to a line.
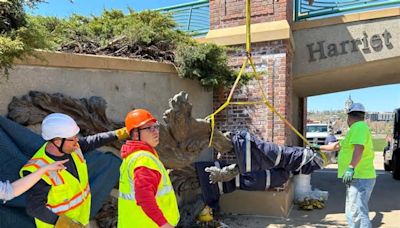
pixel 75 201
pixel 163 191
pixel 55 177
pixel 68 195
pixel 79 154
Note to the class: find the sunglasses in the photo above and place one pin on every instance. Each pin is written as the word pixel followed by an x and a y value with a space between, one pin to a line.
pixel 152 128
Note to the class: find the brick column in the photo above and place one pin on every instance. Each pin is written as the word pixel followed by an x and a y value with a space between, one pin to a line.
pixel 272 58
pixel 231 13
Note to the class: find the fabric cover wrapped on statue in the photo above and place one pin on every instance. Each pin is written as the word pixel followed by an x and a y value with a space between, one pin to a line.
pixel 254 154
pixel 251 181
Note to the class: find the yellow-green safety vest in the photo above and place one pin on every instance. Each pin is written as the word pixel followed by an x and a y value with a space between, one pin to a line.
pixel 68 195
pixel 129 213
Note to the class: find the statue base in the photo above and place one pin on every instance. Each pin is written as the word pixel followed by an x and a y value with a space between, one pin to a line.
pixel 267 203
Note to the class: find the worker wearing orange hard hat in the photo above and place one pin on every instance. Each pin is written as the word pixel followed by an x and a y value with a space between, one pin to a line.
pixel 146 196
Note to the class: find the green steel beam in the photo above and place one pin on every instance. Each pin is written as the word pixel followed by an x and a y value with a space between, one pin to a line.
pixel 183 5
pixel 359 6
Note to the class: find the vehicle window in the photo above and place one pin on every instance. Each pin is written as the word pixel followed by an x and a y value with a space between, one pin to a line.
pixel 317 128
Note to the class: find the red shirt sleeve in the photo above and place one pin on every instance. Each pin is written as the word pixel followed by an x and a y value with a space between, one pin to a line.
pixel 146 184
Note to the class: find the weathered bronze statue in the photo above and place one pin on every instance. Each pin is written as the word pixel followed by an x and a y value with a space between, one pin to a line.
pixel 182 139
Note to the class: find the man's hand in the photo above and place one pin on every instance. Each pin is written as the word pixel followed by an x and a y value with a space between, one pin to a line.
pixel 348 175
pixel 56 166
pixel 335 146
pixel 222 175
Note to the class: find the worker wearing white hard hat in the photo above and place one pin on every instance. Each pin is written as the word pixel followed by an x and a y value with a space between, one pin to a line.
pixel 356 166
pixel 63 199
pixel 356 107
pixel 59 128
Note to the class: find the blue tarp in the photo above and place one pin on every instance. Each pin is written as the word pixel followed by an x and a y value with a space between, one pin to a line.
pixel 266 155
pixel 251 181
pixel 17 146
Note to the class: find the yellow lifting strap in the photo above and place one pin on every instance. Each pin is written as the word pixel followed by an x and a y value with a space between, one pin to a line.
pixel 264 98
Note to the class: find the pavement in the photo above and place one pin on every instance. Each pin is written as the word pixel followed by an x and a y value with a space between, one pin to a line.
pixel 384 204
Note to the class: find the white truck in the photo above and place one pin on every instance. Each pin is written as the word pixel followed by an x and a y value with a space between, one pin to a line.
pixel 316 133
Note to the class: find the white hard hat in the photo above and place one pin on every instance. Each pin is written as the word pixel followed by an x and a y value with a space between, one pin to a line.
pixel 356 107
pixel 58 125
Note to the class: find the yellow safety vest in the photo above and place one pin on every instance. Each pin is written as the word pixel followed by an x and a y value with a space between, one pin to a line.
pixel 67 195
pixel 129 213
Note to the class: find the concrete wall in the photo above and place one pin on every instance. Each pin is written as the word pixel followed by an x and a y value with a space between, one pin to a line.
pixel 123 83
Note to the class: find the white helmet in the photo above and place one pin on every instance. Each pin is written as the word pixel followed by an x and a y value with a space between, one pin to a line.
pixel 356 107
pixel 58 125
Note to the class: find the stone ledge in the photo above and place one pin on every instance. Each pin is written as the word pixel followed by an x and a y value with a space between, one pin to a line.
pixel 67 60
pixel 260 32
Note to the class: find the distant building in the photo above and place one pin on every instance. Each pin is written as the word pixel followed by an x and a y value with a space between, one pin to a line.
pixel 380 116
pixel 347 104
pixel 372 116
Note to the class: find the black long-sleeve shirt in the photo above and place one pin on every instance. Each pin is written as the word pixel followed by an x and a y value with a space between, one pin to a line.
pixel 37 195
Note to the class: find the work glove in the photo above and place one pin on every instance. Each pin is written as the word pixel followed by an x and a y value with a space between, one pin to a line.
pixel 348 176
pixel 122 133
pixel 65 222
pixel 315 147
pixel 222 175
pixel 320 157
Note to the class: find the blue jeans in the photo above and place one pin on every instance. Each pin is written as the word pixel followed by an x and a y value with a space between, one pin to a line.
pixel 357 197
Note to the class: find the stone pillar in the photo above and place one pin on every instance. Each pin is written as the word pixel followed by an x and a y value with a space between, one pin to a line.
pixel 272 51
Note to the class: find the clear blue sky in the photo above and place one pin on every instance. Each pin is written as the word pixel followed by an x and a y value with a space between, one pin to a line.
pixel 64 8
pixel 380 98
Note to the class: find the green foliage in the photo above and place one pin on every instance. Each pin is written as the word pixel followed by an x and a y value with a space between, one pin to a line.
pixel 144 28
pixel 379 143
pixel 204 62
pixel 16 44
pixel 150 27
pixel 9 50
pixel 18 37
pixel 12 15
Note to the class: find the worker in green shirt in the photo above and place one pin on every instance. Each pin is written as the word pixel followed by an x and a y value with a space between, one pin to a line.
pixel 356 166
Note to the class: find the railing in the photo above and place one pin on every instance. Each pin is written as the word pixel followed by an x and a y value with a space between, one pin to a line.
pixel 324 8
pixel 192 17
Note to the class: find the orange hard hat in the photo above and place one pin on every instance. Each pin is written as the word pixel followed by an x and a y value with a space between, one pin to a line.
pixel 137 118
